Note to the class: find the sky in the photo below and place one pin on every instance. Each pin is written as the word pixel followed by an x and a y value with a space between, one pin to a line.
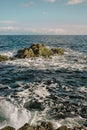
pixel 43 17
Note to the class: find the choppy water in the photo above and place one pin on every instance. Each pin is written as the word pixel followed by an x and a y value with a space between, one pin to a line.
pixel 38 89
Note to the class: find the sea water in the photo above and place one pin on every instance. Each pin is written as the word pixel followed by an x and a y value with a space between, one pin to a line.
pixel 39 89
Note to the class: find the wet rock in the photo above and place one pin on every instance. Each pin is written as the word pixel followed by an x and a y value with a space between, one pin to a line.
pixel 33 105
pixel 83 112
pixel 8 128
pixel 58 51
pixel 4 58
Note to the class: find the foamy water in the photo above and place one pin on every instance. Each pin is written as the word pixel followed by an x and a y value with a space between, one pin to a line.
pixel 39 89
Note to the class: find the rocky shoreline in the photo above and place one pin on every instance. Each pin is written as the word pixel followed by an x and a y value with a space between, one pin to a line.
pixel 43 126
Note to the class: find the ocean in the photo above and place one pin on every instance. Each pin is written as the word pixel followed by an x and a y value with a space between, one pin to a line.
pixel 39 89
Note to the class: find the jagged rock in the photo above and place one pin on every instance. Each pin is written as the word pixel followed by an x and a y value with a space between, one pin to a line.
pixel 3 58
pixel 8 128
pixel 37 50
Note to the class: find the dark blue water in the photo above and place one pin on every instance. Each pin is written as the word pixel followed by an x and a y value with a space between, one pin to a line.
pixel 14 42
pixel 58 84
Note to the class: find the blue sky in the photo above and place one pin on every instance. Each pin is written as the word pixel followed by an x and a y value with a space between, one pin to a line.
pixel 58 17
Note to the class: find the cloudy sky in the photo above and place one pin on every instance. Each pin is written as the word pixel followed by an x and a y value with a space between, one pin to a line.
pixel 58 17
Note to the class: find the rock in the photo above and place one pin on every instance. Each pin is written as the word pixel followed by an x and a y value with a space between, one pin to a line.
pixel 63 128
pixel 40 128
pixel 43 126
pixel 78 128
pixel 33 105
pixel 58 51
pixel 47 125
pixel 26 127
pixel 8 128
pixel 3 58
pixel 37 50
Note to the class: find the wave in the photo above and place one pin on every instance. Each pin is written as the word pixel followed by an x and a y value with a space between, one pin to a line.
pixel 11 115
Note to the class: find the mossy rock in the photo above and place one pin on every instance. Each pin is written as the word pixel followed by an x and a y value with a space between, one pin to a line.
pixel 3 58
pixel 8 128
pixel 37 50
pixel 29 53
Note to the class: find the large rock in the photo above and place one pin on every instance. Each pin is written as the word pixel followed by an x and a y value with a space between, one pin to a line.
pixel 3 58
pixel 37 50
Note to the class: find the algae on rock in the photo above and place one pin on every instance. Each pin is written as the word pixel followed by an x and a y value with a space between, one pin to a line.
pixel 37 50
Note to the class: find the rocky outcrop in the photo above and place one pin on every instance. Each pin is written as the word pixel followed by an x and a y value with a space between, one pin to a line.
pixel 3 58
pixel 37 50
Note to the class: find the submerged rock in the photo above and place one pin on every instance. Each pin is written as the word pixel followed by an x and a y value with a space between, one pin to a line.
pixel 37 50
pixel 3 58
pixel 33 105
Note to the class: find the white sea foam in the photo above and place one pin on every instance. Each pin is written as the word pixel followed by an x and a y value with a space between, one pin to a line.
pixel 12 115
pixel 82 89
pixel 42 92
pixel 8 53
pixel 72 122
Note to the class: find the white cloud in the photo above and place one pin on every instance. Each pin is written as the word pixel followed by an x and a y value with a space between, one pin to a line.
pixel 72 2
pixel 51 1
pixel 7 22
pixel 27 30
pixel 8 29
pixel 75 29
pixel 28 4
pixel 57 30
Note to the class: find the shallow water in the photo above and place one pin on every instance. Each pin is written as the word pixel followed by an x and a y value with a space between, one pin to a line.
pixel 54 89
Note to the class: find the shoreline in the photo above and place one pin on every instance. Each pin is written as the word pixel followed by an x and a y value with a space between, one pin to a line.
pixel 43 126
